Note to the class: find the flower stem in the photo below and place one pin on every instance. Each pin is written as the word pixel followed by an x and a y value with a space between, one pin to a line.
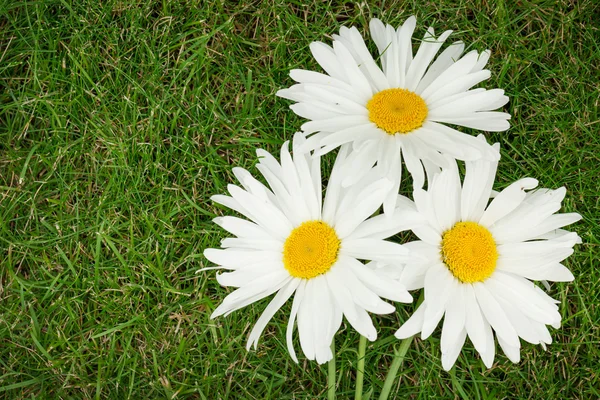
pixel 331 374
pixel 360 368
pixel 391 375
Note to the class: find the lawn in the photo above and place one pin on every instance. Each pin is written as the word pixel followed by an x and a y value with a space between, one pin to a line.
pixel 120 118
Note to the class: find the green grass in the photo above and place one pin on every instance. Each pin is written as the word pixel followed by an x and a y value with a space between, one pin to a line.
pixel 118 121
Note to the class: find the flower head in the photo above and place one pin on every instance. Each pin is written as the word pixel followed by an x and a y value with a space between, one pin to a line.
pixel 482 259
pixel 296 243
pixel 400 108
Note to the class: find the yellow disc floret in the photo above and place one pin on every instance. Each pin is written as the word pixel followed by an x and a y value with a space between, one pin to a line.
pixel 397 110
pixel 469 252
pixel 310 250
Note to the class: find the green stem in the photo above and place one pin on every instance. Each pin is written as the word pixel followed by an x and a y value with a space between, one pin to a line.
pixel 391 375
pixel 331 374
pixel 360 368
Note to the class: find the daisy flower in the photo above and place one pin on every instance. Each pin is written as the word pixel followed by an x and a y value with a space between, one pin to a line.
pixel 399 108
pixel 482 259
pixel 296 243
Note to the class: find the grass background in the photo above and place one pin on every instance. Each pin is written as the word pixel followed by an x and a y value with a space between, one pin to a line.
pixel 118 121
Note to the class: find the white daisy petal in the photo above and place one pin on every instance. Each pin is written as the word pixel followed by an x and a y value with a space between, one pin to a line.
pixel 236 258
pixel 386 288
pixel 306 322
pixel 413 325
pixel 355 315
pixel 449 358
pixel 505 202
pixel 371 199
pixel 454 321
pixel 495 315
pixel 523 325
pixel 373 249
pixel 241 227
pixel 457 69
pixel 455 86
pixel 413 163
pixel 304 76
pixel 280 298
pixel 474 322
pixel 483 120
pixel 326 58
pixel 427 51
pixel 354 74
pixel 298 298
pixel 263 212
pixel 380 226
pixel 484 56
pixel 512 352
pixel 448 57
pixel 333 124
pixel 487 356
pixel 353 40
pixel 254 291
pixel 477 185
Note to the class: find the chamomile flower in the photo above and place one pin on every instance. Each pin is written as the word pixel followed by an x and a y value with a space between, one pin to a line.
pixel 400 108
pixel 294 243
pixel 482 259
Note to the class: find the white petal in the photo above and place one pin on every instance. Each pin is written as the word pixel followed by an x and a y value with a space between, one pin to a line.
pixel 280 298
pixel 244 276
pixel 508 199
pixel 449 358
pixel 360 161
pixel 445 195
pixel 386 288
pixel 241 227
pixel 456 70
pixel 357 316
pixel 468 104
pixel 427 51
pixel 234 259
pixel 290 327
pixel 487 356
pixel 495 315
pixel 477 186
pixel 248 294
pixel 448 57
pixel 262 212
pixel 370 199
pixel 306 322
pixel 491 121
pixel 305 76
pixel 334 124
pixel 511 352
pixel 454 321
pixel 474 322
pixel 361 294
pixel 413 325
pixel 455 86
pixel 354 74
pixel 373 249
pixel 322 312
pixel 328 61
pixel 413 162
pixel 439 284
pixel 383 226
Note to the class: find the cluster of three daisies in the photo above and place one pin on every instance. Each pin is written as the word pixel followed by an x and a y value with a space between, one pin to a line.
pixel 478 250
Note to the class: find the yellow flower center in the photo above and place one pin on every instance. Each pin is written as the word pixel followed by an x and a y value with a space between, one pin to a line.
pixel 310 250
pixel 397 110
pixel 469 252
